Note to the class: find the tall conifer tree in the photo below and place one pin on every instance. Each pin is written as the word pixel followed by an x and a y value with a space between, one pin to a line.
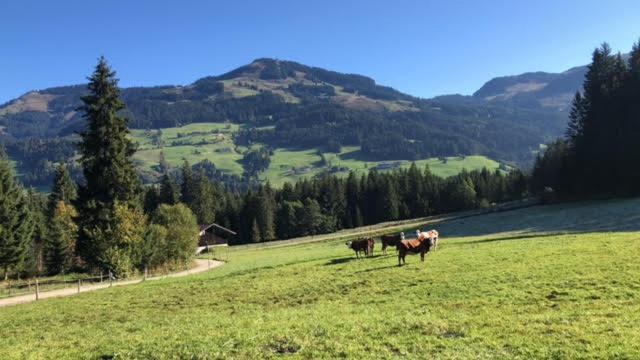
pixel 106 150
pixel 63 189
pixel 16 226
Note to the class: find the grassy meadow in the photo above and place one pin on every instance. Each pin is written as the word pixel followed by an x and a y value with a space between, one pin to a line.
pixel 558 281
pixel 215 142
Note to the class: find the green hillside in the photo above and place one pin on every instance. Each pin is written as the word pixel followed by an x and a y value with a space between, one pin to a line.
pixel 294 106
pixel 499 286
pixel 215 142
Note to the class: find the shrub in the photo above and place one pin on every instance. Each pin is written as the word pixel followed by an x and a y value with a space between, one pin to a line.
pixel 181 232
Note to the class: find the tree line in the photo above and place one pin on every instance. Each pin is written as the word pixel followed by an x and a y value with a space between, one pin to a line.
pixel 330 203
pixel 598 155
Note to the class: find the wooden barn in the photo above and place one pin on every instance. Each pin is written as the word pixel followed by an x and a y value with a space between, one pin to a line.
pixel 214 234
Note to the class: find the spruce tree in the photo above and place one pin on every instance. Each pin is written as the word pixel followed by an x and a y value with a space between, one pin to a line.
pixel 60 247
pixel 169 192
pixel 16 226
pixel 151 199
pixel 265 214
pixel 38 208
pixel 106 150
pixel 353 202
pixel 63 189
pixel 286 220
pixel 255 232
pixel 187 187
pixel 390 203
pixel 203 204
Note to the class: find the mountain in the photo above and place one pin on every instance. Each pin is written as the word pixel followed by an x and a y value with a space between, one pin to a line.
pixel 552 91
pixel 536 90
pixel 284 104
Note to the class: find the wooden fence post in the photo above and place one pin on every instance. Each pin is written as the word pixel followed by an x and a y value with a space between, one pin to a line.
pixel 37 290
pixel 110 279
pixel 9 287
pixel 78 286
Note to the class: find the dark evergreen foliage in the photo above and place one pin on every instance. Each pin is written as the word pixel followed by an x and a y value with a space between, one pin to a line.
pixel 109 173
pixel 16 224
pixel 600 153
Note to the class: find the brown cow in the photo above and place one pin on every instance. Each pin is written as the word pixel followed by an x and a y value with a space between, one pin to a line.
pixel 421 246
pixel 390 240
pixel 433 235
pixel 361 245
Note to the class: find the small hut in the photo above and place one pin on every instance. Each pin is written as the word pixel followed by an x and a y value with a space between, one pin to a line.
pixel 214 235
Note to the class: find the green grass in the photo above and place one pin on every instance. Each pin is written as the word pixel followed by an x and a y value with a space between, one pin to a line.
pixel 513 294
pixel 284 161
pixel 221 150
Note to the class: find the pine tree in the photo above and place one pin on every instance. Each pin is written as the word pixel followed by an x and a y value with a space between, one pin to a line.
pixel 169 192
pixel 353 202
pixel 576 118
pixel 286 220
pixel 106 150
pixel 63 189
pixel 16 226
pixel 60 247
pixel 204 205
pixel 187 187
pixel 255 232
pixel 311 218
pixel 151 199
pixel 38 208
pixel 265 214
pixel 390 209
pixel 632 126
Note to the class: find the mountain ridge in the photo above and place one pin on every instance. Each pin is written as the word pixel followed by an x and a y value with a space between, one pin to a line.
pixel 285 104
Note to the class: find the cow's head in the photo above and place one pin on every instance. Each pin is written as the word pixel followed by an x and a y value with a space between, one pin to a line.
pixel 348 243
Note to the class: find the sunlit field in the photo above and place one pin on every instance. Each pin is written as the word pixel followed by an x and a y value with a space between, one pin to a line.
pixel 517 293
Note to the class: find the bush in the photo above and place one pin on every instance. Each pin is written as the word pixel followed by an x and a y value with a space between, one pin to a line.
pixel 123 238
pixel 181 232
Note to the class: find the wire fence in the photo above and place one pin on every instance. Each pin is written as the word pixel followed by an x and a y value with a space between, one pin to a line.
pixel 80 282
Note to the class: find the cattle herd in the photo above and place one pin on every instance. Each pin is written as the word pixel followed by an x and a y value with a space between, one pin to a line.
pixel 424 242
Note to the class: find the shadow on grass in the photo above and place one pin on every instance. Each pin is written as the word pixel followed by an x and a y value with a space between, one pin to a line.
pixel 339 261
pixel 617 215
pixel 379 268
pixel 516 237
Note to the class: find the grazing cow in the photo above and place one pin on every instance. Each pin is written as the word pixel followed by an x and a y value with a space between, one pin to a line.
pixel 421 246
pixel 361 245
pixel 390 240
pixel 433 236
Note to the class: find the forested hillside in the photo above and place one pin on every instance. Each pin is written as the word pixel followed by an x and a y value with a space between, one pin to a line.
pixel 283 104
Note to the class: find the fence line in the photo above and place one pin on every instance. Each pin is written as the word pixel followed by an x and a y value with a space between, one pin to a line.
pixel 35 286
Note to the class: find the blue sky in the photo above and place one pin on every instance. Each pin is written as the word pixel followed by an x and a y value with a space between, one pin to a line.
pixel 424 48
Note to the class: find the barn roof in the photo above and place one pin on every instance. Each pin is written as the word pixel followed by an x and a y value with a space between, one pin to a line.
pixel 205 227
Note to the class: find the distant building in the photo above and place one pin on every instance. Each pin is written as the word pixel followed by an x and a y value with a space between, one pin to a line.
pixel 214 234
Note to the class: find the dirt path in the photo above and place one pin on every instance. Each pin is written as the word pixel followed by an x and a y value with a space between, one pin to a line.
pixel 201 266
